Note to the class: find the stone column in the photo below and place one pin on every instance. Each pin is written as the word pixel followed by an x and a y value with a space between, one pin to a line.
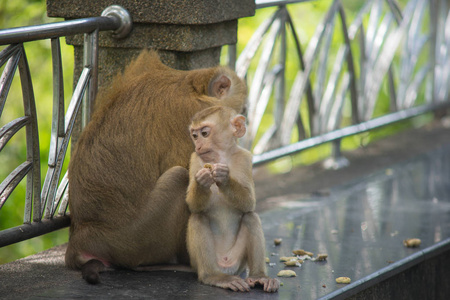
pixel 188 34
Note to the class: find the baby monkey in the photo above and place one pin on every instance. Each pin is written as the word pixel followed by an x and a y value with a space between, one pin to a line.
pixel 224 235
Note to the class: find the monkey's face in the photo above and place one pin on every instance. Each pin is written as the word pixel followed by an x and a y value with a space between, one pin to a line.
pixel 211 140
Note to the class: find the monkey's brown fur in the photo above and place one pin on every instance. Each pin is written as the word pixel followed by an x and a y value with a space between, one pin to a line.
pixel 126 195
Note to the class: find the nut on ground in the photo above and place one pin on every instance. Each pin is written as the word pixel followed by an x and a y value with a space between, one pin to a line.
pixel 302 252
pixel 277 241
pixel 288 258
pixel 321 257
pixel 411 243
pixel 293 263
pixel 286 273
pixel 345 280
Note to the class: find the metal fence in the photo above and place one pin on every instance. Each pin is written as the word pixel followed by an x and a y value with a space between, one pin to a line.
pixel 337 89
pixel 335 93
pixel 46 205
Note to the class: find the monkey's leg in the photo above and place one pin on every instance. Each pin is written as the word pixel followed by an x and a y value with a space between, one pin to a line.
pixel 255 253
pixel 155 235
pixel 200 242
pixel 162 220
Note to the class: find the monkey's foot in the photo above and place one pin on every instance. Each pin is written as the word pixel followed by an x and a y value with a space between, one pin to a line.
pixel 90 271
pixel 234 283
pixel 270 285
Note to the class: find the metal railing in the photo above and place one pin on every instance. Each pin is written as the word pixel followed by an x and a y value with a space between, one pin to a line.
pixel 335 92
pixel 46 205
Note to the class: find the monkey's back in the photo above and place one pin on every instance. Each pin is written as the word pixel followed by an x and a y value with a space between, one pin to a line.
pixel 138 131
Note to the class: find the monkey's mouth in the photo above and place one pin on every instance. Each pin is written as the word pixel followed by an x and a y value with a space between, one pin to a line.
pixel 204 153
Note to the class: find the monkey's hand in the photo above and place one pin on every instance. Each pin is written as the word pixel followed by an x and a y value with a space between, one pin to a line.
pixel 270 285
pixel 204 178
pixel 220 174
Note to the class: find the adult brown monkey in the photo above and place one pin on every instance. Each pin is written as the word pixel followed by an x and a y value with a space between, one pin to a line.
pixel 128 174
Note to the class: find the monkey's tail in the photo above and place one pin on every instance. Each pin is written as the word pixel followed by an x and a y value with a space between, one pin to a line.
pixel 90 271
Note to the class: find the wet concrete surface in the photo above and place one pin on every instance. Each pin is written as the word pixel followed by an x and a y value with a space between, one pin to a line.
pixel 360 223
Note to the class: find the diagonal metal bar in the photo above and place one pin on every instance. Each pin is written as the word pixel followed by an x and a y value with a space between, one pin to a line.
pixel 57 117
pixel 338 105
pixel 264 101
pixel 330 92
pixel 322 69
pixel 71 114
pixel 244 60
pixel 261 70
pixel 302 79
pixel 62 196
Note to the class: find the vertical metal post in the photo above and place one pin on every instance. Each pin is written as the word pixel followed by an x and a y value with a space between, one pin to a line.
pixel 434 16
pixel 90 61
pixel 232 56
pixel 336 161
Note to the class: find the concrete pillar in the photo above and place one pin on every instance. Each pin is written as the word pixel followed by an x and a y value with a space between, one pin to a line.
pixel 189 34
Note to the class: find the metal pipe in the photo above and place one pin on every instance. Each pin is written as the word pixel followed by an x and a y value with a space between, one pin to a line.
pixel 34 229
pixel 58 29
pixel 347 131
pixel 113 18
pixel 269 3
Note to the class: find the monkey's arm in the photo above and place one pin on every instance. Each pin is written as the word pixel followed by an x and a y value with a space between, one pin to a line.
pixel 239 188
pixel 241 196
pixel 198 196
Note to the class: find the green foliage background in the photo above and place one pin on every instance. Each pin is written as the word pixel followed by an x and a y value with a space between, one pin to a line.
pixel 31 12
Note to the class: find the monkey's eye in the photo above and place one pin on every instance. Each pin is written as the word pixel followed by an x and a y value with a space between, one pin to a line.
pixel 194 136
pixel 205 132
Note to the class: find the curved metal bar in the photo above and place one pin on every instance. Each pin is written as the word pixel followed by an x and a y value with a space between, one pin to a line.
pixel 12 54
pixel 350 67
pixel 8 185
pixel 309 94
pixel 7 131
pixel 33 193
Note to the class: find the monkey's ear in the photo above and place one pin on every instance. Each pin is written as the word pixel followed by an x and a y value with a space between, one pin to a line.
pixel 219 87
pixel 238 123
